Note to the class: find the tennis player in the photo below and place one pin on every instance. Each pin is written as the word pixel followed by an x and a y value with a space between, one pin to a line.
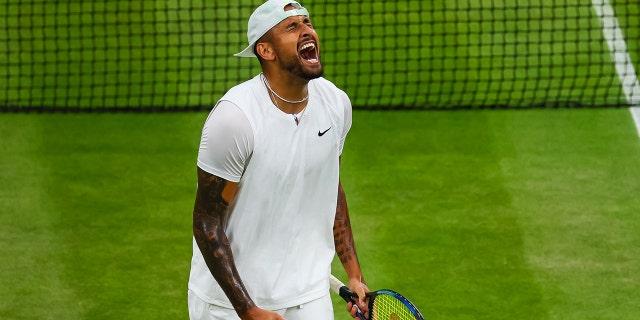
pixel 270 213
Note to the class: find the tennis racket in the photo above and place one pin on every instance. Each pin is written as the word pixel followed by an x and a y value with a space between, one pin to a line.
pixel 383 304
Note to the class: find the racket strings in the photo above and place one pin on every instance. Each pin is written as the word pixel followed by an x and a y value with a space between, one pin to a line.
pixel 387 307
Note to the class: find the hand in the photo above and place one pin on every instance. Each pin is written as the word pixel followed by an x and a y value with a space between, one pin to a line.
pixel 261 314
pixel 362 303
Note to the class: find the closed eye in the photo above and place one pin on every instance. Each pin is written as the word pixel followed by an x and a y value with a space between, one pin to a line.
pixel 293 25
pixel 307 21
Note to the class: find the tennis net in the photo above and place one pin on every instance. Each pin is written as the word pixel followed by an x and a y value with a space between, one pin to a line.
pixel 177 55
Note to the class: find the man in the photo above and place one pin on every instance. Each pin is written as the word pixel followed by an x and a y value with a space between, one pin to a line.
pixel 270 213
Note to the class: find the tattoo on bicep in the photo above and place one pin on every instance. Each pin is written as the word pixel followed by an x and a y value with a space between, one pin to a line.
pixel 210 208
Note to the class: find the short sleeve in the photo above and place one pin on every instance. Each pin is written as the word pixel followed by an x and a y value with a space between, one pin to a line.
pixel 226 142
pixel 347 118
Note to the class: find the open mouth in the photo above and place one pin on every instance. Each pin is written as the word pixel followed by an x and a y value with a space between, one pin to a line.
pixel 309 52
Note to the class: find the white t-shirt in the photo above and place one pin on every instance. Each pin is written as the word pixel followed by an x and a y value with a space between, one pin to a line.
pixel 280 223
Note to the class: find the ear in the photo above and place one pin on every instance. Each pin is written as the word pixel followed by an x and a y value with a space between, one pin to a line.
pixel 265 51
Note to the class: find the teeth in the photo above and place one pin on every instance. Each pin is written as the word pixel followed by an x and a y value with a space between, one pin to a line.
pixel 307 46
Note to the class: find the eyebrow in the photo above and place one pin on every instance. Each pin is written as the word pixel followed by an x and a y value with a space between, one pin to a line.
pixel 295 22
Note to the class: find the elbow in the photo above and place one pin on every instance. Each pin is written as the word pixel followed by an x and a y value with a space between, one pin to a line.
pixel 199 227
pixel 206 229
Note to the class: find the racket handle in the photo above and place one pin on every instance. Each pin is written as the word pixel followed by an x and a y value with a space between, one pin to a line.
pixel 343 291
pixel 347 295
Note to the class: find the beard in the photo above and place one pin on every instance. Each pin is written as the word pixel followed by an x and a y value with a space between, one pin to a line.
pixel 297 68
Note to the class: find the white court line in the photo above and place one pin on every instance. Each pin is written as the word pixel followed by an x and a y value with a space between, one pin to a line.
pixel 620 55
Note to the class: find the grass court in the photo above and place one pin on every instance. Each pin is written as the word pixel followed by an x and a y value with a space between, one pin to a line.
pixel 473 215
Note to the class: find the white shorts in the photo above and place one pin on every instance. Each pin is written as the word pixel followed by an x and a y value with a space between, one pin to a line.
pixel 319 309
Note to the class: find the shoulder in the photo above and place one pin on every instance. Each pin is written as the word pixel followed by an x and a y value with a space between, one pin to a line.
pixel 248 97
pixel 325 85
pixel 329 92
pixel 242 91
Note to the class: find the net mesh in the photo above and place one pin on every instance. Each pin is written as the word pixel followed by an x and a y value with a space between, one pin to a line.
pixel 177 55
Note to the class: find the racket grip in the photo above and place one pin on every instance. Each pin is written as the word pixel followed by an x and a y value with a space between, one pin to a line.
pixel 346 294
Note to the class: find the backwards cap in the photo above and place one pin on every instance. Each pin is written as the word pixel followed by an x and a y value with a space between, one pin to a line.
pixel 267 16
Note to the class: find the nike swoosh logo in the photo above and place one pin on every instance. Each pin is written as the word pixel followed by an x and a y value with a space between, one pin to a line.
pixel 320 134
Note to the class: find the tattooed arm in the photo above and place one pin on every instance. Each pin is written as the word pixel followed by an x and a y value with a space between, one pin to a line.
pixel 346 251
pixel 211 207
pixel 343 238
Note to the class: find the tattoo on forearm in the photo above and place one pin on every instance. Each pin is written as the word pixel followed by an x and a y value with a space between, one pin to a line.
pixel 342 234
pixel 209 214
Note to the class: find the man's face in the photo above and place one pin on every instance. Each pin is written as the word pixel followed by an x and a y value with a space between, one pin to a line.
pixel 297 46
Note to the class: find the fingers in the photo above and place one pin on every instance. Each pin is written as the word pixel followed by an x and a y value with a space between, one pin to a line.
pixel 357 311
pixel 359 287
pixel 364 307
pixel 352 309
pixel 360 291
pixel 361 302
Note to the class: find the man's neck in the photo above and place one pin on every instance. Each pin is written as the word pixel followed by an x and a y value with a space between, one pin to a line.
pixel 289 93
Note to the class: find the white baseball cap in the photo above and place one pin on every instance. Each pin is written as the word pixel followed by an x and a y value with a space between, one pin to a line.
pixel 267 16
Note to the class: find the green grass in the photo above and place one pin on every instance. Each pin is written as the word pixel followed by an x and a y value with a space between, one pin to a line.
pixel 95 221
pixel 473 215
pixel 500 215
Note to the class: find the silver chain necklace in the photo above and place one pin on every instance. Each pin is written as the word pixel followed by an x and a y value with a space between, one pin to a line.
pixel 296 116
pixel 266 83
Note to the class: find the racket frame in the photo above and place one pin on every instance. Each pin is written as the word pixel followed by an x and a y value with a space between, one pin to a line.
pixel 343 291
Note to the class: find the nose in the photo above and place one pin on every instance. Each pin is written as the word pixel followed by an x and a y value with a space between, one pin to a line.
pixel 306 30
